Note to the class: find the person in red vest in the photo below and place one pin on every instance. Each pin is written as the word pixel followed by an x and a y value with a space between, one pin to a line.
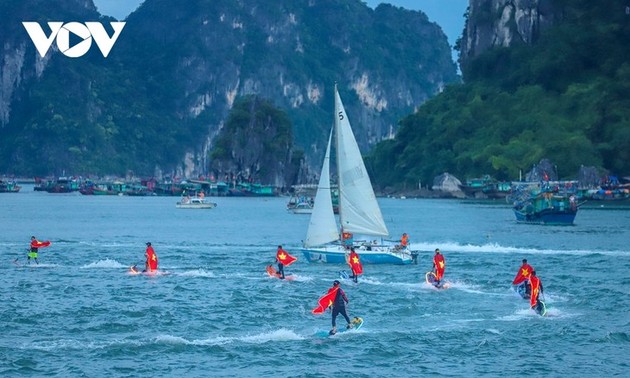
pixel 151 264
pixel 404 241
pixel 439 264
pixel 522 279
pixel 35 246
pixel 537 288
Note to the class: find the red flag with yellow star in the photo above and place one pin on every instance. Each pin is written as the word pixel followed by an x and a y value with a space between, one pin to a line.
pixel 440 265
pixel 523 274
pixel 284 257
pixel 355 263
pixel 326 301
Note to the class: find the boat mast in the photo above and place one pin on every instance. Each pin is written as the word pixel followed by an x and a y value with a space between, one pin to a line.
pixel 337 116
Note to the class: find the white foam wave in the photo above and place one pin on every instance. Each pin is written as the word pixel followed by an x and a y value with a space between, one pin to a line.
pixel 104 264
pixel 34 265
pixel 71 344
pixel 281 334
pixel 497 248
pixel 261 338
pixel 196 273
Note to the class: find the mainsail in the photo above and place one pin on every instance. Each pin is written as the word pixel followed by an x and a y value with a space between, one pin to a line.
pixel 359 212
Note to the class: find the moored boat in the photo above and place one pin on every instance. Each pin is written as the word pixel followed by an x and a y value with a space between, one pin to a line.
pixel 9 187
pixel 196 202
pixel 551 203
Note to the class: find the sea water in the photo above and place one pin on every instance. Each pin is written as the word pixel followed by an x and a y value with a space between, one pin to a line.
pixel 217 313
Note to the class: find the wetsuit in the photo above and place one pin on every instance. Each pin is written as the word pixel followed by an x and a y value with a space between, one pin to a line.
pixel 339 307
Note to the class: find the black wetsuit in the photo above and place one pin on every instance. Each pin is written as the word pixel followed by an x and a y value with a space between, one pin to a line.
pixel 339 307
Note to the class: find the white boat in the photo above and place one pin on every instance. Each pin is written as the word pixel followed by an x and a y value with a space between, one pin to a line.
pixel 359 212
pixel 195 203
pixel 300 207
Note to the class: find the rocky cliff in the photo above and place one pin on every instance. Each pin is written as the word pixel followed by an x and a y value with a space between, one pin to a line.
pixel 161 98
pixel 502 23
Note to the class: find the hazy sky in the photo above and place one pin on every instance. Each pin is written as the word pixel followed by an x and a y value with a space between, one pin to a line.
pixel 449 14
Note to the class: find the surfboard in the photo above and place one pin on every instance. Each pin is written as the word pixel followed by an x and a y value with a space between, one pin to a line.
pixel 271 271
pixel 542 309
pixel 134 271
pixel 430 279
pixel 356 322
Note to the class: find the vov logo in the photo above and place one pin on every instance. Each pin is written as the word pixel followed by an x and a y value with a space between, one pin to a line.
pixel 61 33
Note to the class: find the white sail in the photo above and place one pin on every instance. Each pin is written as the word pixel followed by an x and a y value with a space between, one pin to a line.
pixel 359 212
pixel 322 228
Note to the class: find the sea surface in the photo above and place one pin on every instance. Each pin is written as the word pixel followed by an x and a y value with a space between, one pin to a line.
pixel 218 314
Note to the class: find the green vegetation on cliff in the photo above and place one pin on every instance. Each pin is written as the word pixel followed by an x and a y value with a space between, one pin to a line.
pixel 564 98
pixel 157 102
pixel 257 143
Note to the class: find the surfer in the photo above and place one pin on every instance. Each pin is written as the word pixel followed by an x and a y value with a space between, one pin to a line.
pixel 439 264
pixel 339 306
pixel 35 246
pixel 355 265
pixel 283 258
pixel 537 288
pixel 522 279
pixel 151 264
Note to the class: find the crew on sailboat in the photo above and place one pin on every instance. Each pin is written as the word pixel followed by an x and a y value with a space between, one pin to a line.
pixel 404 241
pixel 347 239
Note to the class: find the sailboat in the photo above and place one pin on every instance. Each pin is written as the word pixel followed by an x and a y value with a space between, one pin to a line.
pixel 359 212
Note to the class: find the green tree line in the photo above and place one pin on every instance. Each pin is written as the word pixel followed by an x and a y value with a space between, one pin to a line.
pixel 564 98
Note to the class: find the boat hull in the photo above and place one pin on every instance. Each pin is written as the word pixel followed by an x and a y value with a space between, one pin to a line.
pixel 377 255
pixel 302 210
pixel 546 217
pixel 206 205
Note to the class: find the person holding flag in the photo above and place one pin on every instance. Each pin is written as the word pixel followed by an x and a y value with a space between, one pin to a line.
pixel 284 259
pixel 151 264
pixel 537 288
pixel 355 265
pixel 522 279
pixel 438 265
pixel 336 298
pixel 35 246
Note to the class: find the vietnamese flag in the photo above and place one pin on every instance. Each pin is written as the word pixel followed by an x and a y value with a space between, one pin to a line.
pixel 523 274
pixel 440 265
pixel 38 244
pixel 326 301
pixel 285 258
pixel 355 263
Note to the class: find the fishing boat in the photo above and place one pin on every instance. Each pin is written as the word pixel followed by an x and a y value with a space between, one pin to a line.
pixel 547 202
pixel 359 212
pixel 196 202
pixel 9 187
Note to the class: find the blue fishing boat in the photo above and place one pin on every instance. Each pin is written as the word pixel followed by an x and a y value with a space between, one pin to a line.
pixel 552 203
